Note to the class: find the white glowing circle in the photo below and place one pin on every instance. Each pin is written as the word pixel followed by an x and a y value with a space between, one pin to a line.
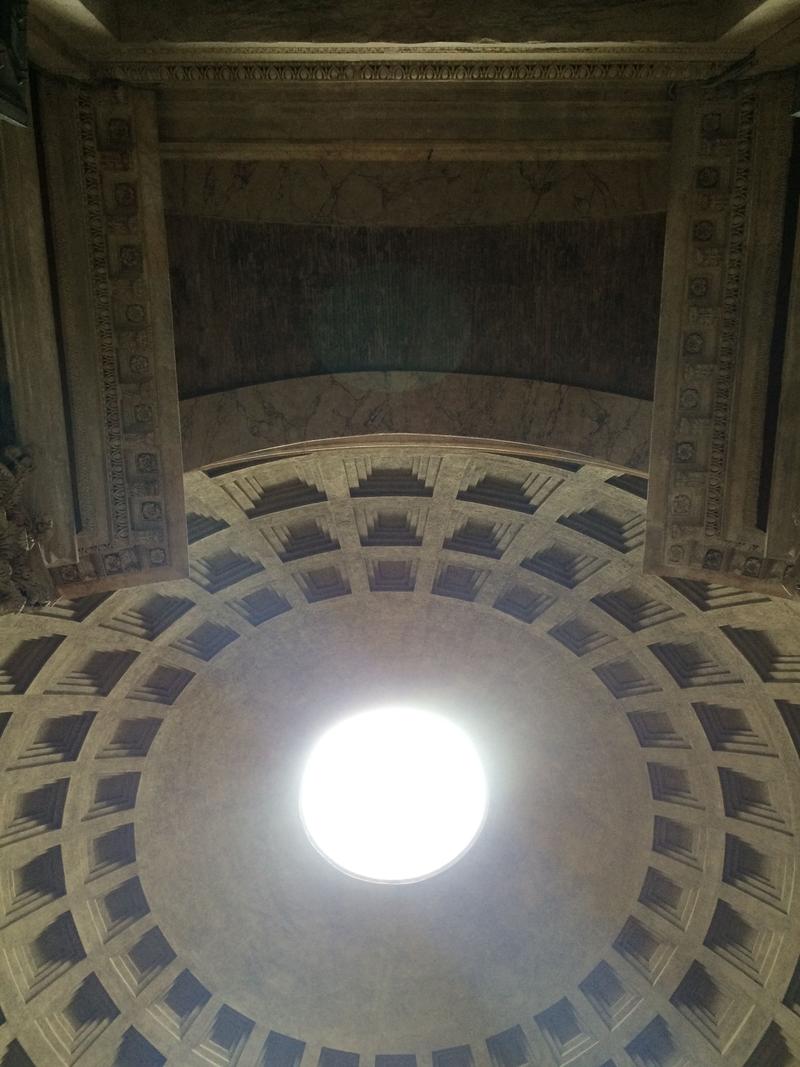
pixel 393 795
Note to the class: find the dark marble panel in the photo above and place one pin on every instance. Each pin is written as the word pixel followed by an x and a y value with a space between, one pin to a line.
pixel 419 20
pixel 341 192
pixel 569 302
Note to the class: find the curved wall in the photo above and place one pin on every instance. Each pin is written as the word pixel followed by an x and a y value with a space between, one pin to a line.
pixel 631 901
pixel 505 413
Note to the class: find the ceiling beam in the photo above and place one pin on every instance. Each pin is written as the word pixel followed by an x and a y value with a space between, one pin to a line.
pixel 754 20
pixel 80 23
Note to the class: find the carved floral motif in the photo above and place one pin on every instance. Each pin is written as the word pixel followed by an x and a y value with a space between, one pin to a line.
pixel 24 581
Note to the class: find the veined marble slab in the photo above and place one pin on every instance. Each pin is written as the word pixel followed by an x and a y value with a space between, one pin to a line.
pixel 577 423
pixel 363 193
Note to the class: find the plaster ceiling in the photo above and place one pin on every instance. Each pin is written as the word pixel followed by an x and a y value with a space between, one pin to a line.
pixel 630 900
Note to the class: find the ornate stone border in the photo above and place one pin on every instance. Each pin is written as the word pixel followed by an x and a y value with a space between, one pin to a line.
pixel 29 339
pixel 730 156
pixel 174 63
pixel 421 71
pixel 103 178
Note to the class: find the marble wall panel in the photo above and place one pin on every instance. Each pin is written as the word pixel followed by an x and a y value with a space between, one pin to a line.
pixel 566 301
pixel 346 193
pixel 523 415
pixel 110 262
pixel 419 20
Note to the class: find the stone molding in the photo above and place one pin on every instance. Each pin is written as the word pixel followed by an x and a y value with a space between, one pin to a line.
pixel 334 69
pixel 730 161
pixel 485 62
pixel 105 198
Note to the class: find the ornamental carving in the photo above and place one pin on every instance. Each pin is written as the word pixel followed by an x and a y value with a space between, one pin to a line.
pixel 102 165
pixel 730 154
pixel 472 70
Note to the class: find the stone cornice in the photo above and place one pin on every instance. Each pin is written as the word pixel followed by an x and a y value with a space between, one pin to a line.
pixel 381 62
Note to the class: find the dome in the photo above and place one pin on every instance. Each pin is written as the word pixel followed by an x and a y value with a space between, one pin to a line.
pixel 630 898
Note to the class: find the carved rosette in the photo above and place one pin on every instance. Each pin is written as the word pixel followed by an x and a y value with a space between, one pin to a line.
pixel 730 161
pixel 114 286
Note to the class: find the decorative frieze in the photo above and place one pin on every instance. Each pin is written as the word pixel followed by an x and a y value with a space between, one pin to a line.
pixel 724 225
pixel 379 64
pixel 102 164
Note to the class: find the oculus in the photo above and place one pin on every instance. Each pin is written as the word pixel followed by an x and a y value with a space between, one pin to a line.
pixel 395 794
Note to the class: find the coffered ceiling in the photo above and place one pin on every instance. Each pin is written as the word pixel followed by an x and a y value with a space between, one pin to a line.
pixel 382 221
pixel 630 900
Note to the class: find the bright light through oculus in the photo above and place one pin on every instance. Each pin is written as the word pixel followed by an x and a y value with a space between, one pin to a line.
pixel 393 795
